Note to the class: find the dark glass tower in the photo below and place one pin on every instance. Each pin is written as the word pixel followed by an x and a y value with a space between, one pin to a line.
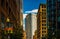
pixel 53 20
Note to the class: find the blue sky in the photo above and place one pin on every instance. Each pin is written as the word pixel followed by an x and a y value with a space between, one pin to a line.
pixel 29 5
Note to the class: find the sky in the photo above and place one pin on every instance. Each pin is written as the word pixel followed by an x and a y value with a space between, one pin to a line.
pixel 30 6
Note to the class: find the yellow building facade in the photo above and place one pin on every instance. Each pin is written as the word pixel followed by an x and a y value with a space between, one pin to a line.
pixel 24 34
pixel 41 20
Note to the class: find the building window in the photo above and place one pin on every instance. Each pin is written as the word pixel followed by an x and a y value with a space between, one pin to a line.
pixel 44 10
pixel 44 13
pixel 43 31
pixel 43 20
pixel 43 35
pixel 43 17
pixel 43 24
pixel 44 28
pixel 43 6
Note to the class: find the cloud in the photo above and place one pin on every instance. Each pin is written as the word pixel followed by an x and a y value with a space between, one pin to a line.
pixel 24 16
pixel 23 26
pixel 32 11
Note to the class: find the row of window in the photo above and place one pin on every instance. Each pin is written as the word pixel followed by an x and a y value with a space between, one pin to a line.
pixel 43 20
pixel 43 24
pixel 43 31
pixel 43 35
pixel 43 6
pixel 43 28
pixel 43 17
pixel 43 9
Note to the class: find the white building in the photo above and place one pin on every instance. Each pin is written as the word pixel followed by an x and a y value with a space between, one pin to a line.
pixel 30 25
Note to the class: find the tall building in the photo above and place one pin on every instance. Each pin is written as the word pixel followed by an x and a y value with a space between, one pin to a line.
pixel 41 22
pixel 53 15
pixel 30 26
pixel 10 18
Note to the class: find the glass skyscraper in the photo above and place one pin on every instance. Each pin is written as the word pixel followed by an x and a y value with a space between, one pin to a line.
pixel 53 19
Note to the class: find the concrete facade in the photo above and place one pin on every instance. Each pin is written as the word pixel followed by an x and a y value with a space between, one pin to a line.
pixel 31 23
